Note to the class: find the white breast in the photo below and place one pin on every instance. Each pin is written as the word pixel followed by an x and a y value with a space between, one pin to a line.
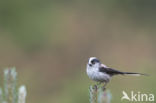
pixel 95 75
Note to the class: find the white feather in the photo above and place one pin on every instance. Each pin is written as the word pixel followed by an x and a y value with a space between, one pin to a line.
pixel 134 74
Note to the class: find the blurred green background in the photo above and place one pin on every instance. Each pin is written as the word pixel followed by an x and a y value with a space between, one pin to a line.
pixel 49 42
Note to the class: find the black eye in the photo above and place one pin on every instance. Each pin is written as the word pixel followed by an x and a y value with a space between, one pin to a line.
pixel 95 61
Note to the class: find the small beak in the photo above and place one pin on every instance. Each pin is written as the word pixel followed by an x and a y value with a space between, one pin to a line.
pixel 90 64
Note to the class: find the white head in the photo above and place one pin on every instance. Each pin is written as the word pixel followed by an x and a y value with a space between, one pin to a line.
pixel 93 62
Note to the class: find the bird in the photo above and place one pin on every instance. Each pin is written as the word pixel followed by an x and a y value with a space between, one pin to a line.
pixel 101 73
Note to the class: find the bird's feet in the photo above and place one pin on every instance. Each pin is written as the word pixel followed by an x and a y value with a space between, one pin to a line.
pixel 103 88
pixel 95 87
pixel 98 85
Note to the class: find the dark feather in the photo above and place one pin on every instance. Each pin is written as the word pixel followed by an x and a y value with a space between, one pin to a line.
pixel 136 73
pixel 110 71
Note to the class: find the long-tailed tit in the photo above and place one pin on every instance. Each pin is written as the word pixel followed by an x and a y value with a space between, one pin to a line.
pixel 101 73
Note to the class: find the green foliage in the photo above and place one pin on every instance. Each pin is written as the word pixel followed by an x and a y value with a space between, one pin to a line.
pixel 98 95
pixel 10 93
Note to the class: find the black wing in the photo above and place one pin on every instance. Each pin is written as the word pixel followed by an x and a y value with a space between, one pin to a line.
pixel 109 71
pixel 112 72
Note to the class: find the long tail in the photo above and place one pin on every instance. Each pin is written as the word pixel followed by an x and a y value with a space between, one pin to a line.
pixel 134 74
